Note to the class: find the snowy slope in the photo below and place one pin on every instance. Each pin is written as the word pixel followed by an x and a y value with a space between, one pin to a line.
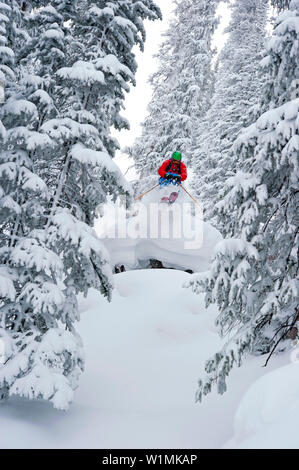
pixel 144 353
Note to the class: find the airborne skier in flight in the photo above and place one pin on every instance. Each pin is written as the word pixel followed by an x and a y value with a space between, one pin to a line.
pixel 173 171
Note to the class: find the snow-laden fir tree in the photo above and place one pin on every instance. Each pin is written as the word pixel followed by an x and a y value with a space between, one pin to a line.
pixel 91 95
pixel 116 26
pixel 42 359
pixel 237 91
pixel 254 275
pixel 182 88
pixel 280 4
pixel 57 133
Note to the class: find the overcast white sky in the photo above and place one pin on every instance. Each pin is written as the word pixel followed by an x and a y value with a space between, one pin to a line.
pixel 139 97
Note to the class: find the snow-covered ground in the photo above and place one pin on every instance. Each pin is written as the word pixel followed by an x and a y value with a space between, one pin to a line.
pixel 144 353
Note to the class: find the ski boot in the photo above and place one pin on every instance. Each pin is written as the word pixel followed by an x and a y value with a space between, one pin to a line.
pixel 173 197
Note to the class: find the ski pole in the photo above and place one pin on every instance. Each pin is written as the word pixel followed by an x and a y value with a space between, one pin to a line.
pixel 147 192
pixel 196 202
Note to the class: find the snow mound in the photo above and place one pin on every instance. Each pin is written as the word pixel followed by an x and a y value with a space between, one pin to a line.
pixel 269 412
pixel 174 234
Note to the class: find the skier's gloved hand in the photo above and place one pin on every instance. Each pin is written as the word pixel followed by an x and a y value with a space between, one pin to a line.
pixel 177 179
pixel 168 176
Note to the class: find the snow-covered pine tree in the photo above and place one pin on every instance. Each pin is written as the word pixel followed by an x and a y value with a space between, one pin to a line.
pixel 42 359
pixel 53 252
pixel 91 96
pixel 116 26
pixel 280 4
pixel 237 90
pixel 254 278
pixel 67 210
pixel 182 88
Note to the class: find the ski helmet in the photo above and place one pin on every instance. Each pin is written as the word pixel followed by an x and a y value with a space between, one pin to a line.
pixel 177 156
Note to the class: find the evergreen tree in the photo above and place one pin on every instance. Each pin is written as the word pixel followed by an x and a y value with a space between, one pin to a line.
pixel 254 276
pixel 57 167
pixel 182 89
pixel 280 4
pixel 42 360
pixel 237 91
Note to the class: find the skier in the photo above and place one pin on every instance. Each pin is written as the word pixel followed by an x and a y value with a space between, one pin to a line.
pixel 175 171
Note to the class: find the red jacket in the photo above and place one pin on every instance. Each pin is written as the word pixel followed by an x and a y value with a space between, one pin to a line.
pixel 174 167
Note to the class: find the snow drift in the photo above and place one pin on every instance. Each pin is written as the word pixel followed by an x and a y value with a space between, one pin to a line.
pixel 144 353
pixel 176 235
